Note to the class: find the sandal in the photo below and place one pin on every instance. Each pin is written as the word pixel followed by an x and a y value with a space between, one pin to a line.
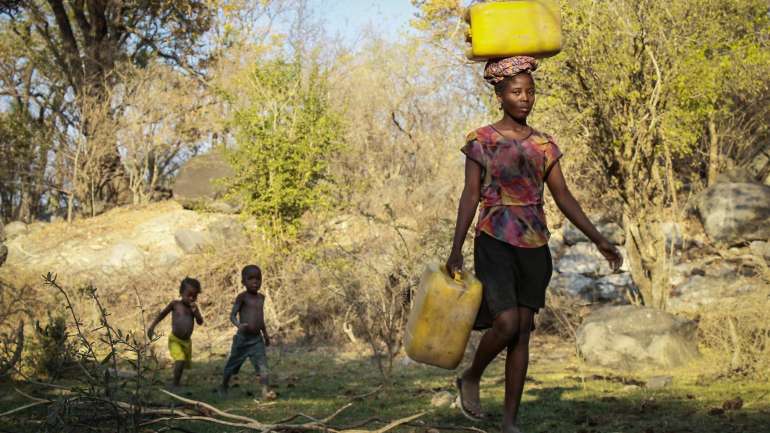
pixel 467 413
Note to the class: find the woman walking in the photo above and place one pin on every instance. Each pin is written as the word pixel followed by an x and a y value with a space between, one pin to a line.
pixel 507 165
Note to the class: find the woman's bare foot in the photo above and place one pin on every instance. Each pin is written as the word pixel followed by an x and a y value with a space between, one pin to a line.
pixel 470 402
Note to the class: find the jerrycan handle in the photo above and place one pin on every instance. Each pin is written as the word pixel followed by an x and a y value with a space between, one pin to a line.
pixel 458 276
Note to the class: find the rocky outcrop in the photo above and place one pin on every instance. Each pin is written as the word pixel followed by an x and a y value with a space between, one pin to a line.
pixel 124 242
pixel 581 271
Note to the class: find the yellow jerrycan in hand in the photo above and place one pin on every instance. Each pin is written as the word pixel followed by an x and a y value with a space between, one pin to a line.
pixel 513 28
pixel 442 317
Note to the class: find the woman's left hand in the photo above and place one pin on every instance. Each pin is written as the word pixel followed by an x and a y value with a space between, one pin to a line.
pixel 612 254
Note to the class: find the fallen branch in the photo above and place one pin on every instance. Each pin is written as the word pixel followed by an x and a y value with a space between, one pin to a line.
pixel 208 409
pixel 210 412
pixel 390 426
pixel 26 406
pixel 369 394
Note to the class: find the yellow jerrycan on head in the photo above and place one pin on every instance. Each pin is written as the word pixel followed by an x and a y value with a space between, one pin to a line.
pixel 513 28
pixel 442 317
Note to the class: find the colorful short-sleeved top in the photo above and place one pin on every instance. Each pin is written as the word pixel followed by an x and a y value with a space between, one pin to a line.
pixel 513 177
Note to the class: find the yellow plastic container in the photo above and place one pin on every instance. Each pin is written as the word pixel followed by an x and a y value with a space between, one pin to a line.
pixel 513 28
pixel 441 319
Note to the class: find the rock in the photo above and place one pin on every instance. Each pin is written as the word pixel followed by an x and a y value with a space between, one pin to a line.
pixel 585 258
pixel 221 206
pixel 733 213
pixel 15 229
pixel 719 269
pixel 442 399
pixel 630 337
pixel 612 231
pixel 191 241
pixel 227 231
pixel 196 187
pixel 556 243
pixel 673 233
pixel 659 382
pixel 761 249
pixel 614 287
pixel 580 259
pixel 630 388
pixel 124 255
pixel 573 284
pixel 406 362
pixel 681 272
pixel 699 291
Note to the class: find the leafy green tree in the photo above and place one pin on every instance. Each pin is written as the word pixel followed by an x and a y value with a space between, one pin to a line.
pixel 59 55
pixel 286 132
pixel 644 79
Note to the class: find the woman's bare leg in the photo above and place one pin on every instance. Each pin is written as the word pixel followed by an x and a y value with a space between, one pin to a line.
pixel 496 339
pixel 516 364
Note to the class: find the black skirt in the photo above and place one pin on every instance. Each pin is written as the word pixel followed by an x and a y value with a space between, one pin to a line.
pixel 511 276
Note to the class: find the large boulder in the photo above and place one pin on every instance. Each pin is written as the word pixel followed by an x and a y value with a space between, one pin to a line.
pixel 630 337
pixel 196 186
pixel 734 213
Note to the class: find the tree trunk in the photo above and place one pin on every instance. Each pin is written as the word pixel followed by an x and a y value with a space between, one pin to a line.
pixel 713 163
pixel 648 259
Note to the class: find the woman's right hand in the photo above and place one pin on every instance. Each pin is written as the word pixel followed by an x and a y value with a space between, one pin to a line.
pixel 455 263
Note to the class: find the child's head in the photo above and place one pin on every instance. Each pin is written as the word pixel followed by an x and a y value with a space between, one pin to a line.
pixel 189 289
pixel 251 277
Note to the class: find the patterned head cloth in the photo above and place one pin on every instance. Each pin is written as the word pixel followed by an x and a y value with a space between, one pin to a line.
pixel 497 69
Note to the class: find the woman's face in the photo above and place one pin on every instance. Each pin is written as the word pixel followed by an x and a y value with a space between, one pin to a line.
pixel 518 96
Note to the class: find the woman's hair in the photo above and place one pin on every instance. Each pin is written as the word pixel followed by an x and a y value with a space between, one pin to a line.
pixel 191 283
pixel 500 85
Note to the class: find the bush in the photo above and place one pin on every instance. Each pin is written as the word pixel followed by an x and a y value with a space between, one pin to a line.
pixel 738 331
pixel 51 351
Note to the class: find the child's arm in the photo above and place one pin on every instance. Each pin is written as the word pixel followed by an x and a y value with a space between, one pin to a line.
pixel 234 312
pixel 197 313
pixel 264 335
pixel 162 315
pixel 263 328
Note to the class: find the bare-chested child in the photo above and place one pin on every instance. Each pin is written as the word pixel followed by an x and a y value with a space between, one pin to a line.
pixel 184 314
pixel 251 339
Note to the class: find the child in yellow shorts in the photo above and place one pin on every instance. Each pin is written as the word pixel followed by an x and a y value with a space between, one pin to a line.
pixel 184 315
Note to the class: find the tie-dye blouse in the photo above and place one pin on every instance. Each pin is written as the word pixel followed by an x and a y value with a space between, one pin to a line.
pixel 513 176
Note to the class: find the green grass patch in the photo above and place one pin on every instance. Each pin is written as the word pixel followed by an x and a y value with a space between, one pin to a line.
pixel 562 396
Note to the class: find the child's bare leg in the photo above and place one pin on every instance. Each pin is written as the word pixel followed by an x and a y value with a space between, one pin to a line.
pixel 178 369
pixel 226 382
pixel 267 393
